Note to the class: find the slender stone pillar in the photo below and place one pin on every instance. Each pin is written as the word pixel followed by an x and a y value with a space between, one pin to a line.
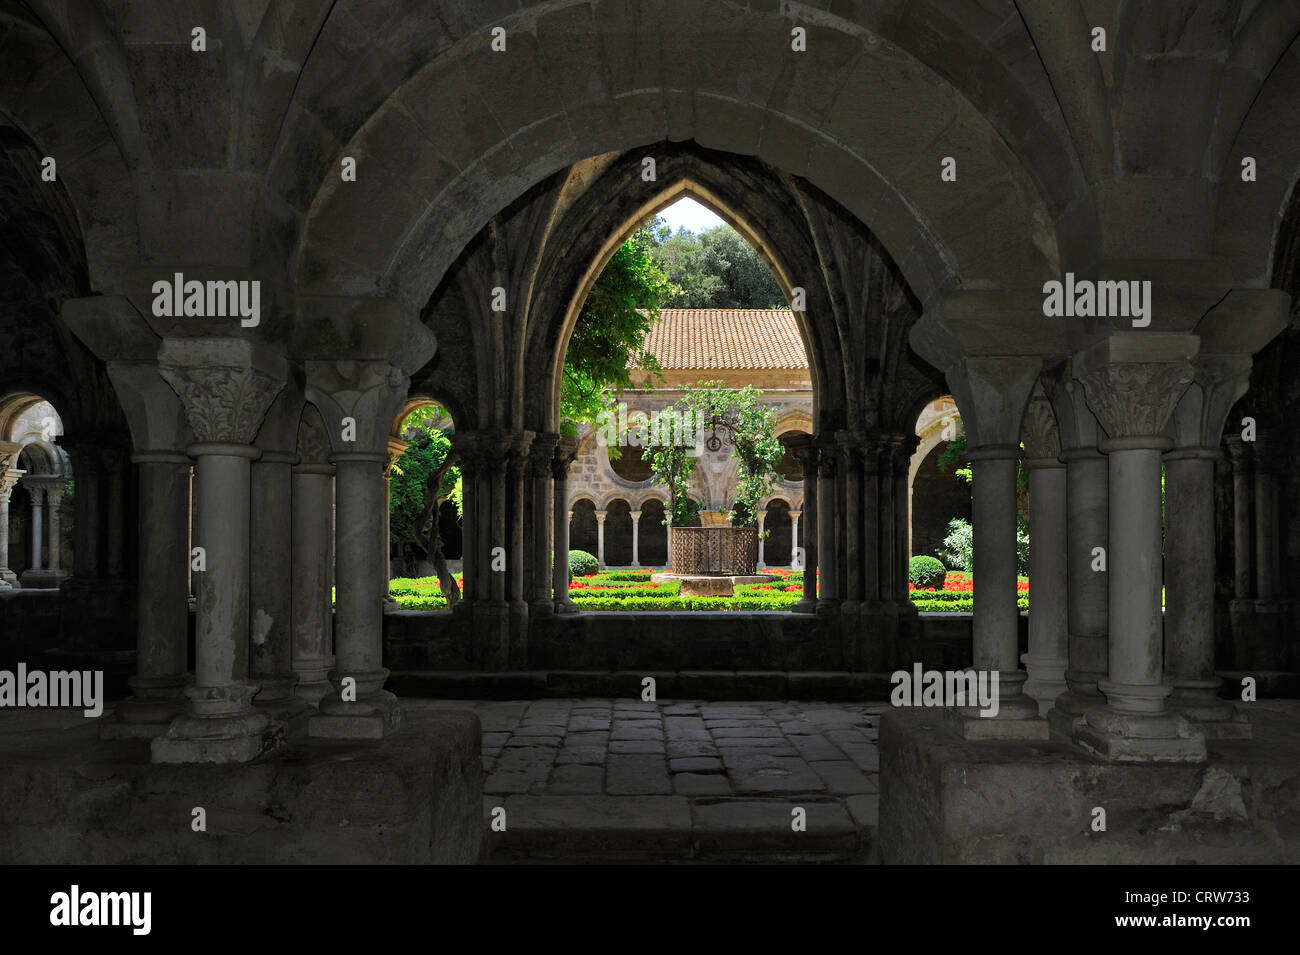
pixel 1243 492
pixel 996 619
pixel 566 449
pixel 1267 550
pixel 901 466
pixel 313 560
pixel 762 518
pixel 86 553
pixel 828 593
pixel 1047 659
pixel 1087 542
pixel 1190 545
pixel 794 533
pixel 55 495
pixel 636 538
pixel 1133 400
pixel 359 706
pixel 540 455
pixel 600 537
pixel 38 513
pixel 850 445
pixel 8 478
pixel 396 448
pixel 271 577
pixel 803 448
pixel 163 608
pixel 226 386
pixel 517 475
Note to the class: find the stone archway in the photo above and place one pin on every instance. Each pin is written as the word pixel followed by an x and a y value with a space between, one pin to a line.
pixel 584 530
pixel 777 550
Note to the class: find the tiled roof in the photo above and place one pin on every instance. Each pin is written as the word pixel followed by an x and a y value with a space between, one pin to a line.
pixel 732 338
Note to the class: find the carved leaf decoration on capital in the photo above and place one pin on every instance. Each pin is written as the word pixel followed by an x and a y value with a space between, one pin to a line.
pixel 1039 431
pixel 1135 399
pixel 313 443
pixel 223 404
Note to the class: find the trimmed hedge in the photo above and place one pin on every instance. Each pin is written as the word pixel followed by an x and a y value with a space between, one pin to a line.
pixel 925 571
pixel 582 564
pixel 955 606
pixel 666 589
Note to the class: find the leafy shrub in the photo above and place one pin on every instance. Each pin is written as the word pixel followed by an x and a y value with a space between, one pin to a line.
pixel 958 550
pixel 582 564
pixel 925 571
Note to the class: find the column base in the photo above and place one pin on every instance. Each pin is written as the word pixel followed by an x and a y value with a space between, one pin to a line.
pixel 567 606
pixel 8 579
pixel 43 579
pixel 217 739
pixel 1199 703
pixel 542 607
pixel 1046 679
pixel 1124 737
pixel 805 605
pixel 147 714
pixel 312 690
pixel 1070 711
pixel 390 604
pixel 1016 718
pixel 371 717
pixel 275 689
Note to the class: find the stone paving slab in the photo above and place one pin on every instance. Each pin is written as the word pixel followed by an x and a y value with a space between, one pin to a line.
pixel 625 780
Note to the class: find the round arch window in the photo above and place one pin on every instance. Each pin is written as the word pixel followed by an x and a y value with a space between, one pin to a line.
pixel 631 464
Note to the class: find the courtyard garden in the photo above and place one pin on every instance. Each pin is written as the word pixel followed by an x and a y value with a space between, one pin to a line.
pixel 633 589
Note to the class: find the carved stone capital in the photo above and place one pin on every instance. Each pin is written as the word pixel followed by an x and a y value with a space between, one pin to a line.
pixel 542 450
pixel 1135 399
pixel 313 444
pixel 566 450
pixel 1038 430
pixel 226 386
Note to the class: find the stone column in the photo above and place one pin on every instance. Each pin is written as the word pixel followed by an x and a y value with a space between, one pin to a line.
pixel 55 496
pixel 902 465
pixel 794 533
pixel 1048 658
pixel 636 539
pixel 1087 541
pixel 162 597
pixel 566 449
pixel 87 471
pixel 1132 382
pixel 358 402
pixel 600 537
pixel 996 618
pixel 396 448
pixel 668 539
pixel 8 478
pixel 850 445
pixel 38 525
pixel 462 446
pixel 828 594
pixel 271 577
pixel 313 560
pixel 1243 487
pixel 801 446
pixel 226 386
pixel 992 392
pixel 762 517
pixel 1190 545
pixel 540 455
pixel 1267 550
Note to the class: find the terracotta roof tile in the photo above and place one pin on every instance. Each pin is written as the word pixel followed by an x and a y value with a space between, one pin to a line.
pixel 730 338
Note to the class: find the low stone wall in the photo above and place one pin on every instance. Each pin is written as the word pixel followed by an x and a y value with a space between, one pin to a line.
pixel 415 797
pixel 944 799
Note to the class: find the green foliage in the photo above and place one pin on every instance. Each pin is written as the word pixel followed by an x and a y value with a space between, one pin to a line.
pixel 958 550
pixel 715 269
pixel 751 428
pixel 925 571
pixel 964 604
pixel 953 457
pixel 410 524
pixel 582 564
pixel 608 339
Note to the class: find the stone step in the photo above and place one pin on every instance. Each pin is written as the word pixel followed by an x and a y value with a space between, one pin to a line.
pixel 677 829
pixel 827 685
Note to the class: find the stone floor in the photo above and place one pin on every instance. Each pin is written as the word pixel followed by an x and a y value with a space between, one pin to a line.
pixel 615 780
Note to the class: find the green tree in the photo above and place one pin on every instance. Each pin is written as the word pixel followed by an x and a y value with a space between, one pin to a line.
pixel 608 340
pixel 747 423
pixel 423 478
pixel 715 269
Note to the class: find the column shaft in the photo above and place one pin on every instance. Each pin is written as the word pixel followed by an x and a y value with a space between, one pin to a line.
pixel 313 558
